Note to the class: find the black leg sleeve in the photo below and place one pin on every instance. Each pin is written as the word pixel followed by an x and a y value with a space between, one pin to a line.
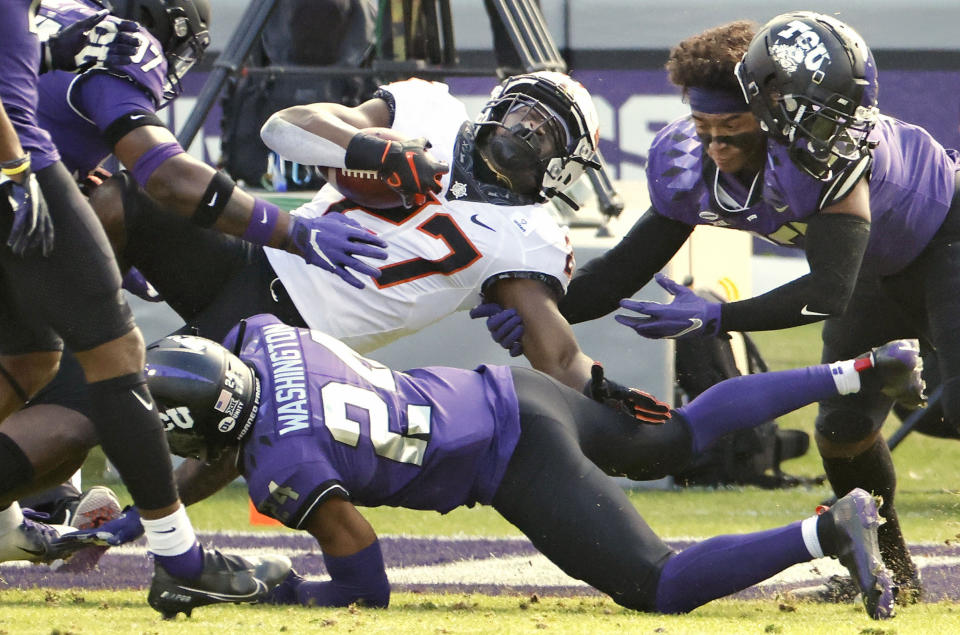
pixel 132 437
pixel 873 471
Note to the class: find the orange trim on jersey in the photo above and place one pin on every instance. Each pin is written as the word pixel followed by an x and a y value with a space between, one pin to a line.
pixel 427 262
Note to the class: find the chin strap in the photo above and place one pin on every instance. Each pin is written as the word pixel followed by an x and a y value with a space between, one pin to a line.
pixel 551 192
pixel 241 331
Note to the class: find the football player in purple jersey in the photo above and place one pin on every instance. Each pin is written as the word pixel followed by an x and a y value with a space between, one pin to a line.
pixel 807 163
pixel 316 429
pixel 100 112
pixel 112 110
pixel 60 284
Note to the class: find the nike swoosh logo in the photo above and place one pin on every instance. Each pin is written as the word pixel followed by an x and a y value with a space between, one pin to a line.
pixel 213 201
pixel 477 221
pixel 167 531
pixel 231 597
pixel 263 221
pixel 806 311
pixel 135 117
pixel 32 552
pixel 143 402
pixel 695 323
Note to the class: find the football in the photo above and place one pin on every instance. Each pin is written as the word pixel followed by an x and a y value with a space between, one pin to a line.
pixel 365 187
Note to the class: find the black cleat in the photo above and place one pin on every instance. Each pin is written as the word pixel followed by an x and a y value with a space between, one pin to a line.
pixel 855 521
pixel 225 579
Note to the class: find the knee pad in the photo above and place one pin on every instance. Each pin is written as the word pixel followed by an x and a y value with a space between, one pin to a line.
pixel 847 424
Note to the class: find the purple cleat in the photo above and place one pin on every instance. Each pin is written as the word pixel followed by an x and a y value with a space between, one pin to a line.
pixel 899 366
pixel 31 540
pixel 855 521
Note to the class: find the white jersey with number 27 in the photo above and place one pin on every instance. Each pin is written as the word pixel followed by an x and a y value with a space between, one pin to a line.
pixel 439 255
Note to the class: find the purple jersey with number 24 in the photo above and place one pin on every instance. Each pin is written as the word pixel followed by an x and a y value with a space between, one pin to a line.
pixel 334 423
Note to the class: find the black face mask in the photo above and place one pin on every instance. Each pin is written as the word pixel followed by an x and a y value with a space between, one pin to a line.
pixel 514 158
pixel 744 141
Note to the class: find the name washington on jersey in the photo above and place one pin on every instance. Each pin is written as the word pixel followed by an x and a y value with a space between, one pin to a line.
pixel 289 378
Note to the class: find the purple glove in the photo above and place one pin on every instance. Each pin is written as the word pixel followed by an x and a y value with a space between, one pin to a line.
pixel 688 315
pixel 505 326
pixel 91 42
pixel 32 227
pixel 331 241
pixel 119 531
pixel 138 285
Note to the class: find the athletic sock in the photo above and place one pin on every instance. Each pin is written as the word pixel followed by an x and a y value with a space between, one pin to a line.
pixel 187 565
pixel 723 565
pixel 174 544
pixel 749 400
pixel 825 533
pixel 846 375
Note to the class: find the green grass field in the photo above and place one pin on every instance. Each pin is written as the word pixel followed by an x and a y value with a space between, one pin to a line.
pixel 928 503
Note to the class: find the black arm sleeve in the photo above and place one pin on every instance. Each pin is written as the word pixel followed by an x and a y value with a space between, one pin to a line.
pixel 835 244
pixel 600 284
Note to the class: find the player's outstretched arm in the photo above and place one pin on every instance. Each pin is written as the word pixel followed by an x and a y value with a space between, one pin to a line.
pixel 210 198
pixel 624 269
pixel 835 243
pixel 351 553
pixel 550 346
pixel 318 134
pixel 548 341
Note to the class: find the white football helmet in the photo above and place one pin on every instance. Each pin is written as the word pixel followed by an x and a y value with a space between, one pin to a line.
pixel 564 113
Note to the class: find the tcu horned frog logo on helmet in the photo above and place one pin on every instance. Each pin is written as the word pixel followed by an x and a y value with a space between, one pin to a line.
pixel 803 46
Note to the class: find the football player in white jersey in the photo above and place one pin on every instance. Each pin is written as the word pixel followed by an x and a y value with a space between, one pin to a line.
pixel 478 232
pixel 476 236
